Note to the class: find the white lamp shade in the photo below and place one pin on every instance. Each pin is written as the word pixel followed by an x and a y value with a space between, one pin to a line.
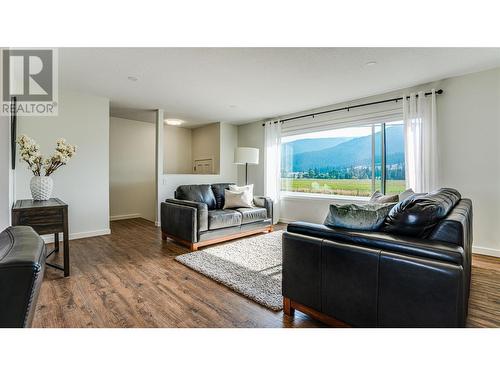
pixel 244 155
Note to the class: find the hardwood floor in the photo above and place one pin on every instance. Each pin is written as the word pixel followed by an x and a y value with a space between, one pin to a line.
pixel 130 279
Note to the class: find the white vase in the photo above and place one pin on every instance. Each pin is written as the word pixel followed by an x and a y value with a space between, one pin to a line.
pixel 41 187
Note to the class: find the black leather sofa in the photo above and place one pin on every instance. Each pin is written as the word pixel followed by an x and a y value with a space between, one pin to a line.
pixel 195 217
pixel 387 278
pixel 22 265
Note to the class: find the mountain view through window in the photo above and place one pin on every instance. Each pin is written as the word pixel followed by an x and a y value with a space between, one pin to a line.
pixel 349 161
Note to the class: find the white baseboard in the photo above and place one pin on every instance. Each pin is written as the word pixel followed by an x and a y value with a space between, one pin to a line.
pixel 74 236
pixel 123 217
pixel 486 251
pixel 286 221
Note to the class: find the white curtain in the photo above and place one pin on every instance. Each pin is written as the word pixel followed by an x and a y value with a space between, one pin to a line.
pixel 272 165
pixel 421 142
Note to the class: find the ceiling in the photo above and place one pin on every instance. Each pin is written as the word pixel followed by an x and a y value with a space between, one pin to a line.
pixel 241 85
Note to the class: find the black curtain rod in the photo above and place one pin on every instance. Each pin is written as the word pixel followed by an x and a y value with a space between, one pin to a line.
pixel 439 92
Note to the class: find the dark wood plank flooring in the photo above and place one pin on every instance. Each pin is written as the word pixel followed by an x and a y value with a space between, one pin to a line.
pixel 130 279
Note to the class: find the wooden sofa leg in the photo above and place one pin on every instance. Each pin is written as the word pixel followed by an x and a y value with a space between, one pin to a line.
pixel 193 246
pixel 287 307
pixel 271 228
pixel 163 236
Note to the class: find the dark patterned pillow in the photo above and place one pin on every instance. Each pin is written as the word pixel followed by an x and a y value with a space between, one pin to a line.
pixel 369 216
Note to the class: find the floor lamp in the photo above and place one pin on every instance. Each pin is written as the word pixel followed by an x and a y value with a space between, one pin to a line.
pixel 246 155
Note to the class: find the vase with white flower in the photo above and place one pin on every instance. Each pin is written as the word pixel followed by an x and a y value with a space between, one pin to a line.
pixel 41 183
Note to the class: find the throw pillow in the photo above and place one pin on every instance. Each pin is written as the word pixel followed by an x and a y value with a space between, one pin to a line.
pixel 378 197
pixel 247 190
pixel 369 216
pixel 405 194
pixel 235 199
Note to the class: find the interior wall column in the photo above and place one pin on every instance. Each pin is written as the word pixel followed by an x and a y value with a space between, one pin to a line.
pixel 159 144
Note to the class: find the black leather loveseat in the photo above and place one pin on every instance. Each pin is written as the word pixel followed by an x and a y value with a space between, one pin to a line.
pixel 196 217
pixel 397 277
pixel 22 265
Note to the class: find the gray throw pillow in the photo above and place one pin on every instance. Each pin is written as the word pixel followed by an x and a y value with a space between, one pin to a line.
pixel 369 216
pixel 378 197
pixel 405 194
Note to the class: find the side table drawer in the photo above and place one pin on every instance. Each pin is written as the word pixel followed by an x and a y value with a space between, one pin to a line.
pixel 49 221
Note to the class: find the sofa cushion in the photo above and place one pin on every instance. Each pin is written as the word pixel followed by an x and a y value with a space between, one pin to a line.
pixel 218 190
pixel 197 193
pixel 405 194
pixel 251 215
pixel 223 219
pixel 417 215
pixel 378 197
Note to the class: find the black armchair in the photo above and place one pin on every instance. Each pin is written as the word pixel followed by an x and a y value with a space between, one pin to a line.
pixel 22 265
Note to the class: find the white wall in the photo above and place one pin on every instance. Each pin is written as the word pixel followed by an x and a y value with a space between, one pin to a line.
pixel 5 173
pixel 252 135
pixel 131 169
pixel 228 173
pixel 83 183
pixel 469 133
pixel 469 136
pixel 177 150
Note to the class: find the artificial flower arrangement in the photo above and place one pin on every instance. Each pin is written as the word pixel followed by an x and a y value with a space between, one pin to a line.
pixel 30 153
pixel 41 185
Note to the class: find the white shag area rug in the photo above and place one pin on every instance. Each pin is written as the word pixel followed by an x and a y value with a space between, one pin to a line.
pixel 250 266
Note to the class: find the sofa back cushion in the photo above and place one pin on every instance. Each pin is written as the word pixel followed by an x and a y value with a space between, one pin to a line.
pixel 418 214
pixel 197 193
pixel 218 190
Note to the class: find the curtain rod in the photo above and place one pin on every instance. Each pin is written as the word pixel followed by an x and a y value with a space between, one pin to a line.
pixel 439 92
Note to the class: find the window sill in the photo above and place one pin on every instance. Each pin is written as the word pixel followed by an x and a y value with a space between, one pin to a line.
pixel 323 197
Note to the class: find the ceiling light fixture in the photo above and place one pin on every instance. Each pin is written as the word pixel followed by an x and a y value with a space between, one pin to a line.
pixel 371 63
pixel 173 121
pixel 132 78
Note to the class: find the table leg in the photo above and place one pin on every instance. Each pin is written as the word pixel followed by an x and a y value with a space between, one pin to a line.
pixel 66 255
pixel 66 244
pixel 56 242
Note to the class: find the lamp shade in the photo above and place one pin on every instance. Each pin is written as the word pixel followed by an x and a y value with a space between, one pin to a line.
pixel 246 155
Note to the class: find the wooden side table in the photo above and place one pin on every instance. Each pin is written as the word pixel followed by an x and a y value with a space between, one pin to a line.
pixel 45 217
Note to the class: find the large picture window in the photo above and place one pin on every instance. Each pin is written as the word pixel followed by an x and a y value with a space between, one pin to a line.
pixel 351 161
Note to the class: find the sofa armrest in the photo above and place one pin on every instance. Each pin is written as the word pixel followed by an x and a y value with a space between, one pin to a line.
pixel 424 248
pixel 181 220
pixel 265 202
pixel 201 211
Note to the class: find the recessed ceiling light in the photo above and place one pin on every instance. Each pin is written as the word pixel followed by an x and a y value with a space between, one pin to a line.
pixel 371 63
pixel 232 105
pixel 132 78
pixel 173 121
